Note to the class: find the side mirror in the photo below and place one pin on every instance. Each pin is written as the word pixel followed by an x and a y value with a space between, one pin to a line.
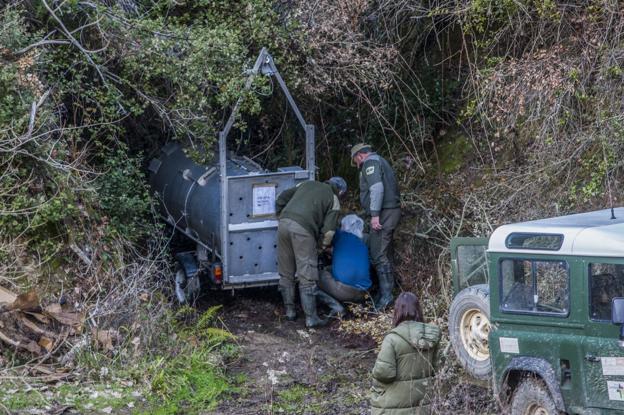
pixel 617 310
pixel 617 315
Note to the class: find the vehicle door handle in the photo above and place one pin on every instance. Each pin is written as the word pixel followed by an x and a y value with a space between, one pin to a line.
pixel 592 358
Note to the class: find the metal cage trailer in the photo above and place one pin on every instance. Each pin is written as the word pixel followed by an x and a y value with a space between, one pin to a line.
pixel 228 208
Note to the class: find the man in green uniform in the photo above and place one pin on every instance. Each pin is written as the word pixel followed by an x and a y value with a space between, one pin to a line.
pixel 308 217
pixel 380 198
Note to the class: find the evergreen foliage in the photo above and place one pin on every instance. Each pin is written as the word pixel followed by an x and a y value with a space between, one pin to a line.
pixel 491 111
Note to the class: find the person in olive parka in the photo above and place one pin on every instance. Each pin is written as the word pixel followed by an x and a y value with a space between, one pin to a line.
pixel 404 370
pixel 308 217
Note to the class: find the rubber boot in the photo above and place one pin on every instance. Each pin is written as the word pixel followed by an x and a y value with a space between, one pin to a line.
pixel 377 295
pixel 308 303
pixel 337 310
pixel 288 295
pixel 386 284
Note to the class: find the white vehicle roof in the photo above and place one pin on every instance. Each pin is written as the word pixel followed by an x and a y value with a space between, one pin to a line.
pixel 584 234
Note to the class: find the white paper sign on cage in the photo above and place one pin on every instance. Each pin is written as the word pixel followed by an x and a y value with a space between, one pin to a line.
pixel 264 199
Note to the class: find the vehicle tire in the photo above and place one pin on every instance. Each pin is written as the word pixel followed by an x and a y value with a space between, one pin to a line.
pixel 469 328
pixel 186 289
pixel 532 398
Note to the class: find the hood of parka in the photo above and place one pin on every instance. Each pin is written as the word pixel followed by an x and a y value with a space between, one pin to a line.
pixel 420 335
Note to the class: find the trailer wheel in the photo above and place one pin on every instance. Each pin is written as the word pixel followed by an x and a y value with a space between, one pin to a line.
pixel 532 398
pixel 469 328
pixel 186 289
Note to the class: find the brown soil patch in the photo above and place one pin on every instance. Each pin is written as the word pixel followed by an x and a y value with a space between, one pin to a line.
pixel 290 369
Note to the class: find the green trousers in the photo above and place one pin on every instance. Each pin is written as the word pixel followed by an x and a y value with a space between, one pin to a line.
pixel 380 242
pixel 297 258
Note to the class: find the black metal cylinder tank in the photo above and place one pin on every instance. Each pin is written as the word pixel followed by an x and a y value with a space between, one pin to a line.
pixel 189 194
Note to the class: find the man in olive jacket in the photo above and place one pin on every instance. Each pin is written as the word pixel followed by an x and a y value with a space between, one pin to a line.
pixel 404 370
pixel 307 213
pixel 381 199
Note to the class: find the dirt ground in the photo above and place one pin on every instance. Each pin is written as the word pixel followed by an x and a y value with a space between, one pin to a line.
pixel 273 367
pixel 285 368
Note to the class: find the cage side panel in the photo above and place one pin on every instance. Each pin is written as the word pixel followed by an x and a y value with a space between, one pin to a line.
pixel 241 195
pixel 253 252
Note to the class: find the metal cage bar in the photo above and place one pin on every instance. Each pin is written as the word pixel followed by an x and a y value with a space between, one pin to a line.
pixel 265 65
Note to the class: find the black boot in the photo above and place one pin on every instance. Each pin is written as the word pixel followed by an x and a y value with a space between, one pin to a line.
pixel 386 284
pixel 288 295
pixel 337 310
pixel 308 303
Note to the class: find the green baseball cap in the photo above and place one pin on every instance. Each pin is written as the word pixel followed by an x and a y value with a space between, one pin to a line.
pixel 357 148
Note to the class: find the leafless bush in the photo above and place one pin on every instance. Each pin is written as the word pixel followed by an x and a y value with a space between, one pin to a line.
pixel 342 57
pixel 132 299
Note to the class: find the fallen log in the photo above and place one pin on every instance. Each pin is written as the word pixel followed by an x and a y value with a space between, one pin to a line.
pixel 27 326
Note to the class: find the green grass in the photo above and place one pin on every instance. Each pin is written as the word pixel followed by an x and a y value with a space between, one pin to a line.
pixel 15 400
pixel 188 384
pixel 184 374
pixel 192 379
pixel 297 399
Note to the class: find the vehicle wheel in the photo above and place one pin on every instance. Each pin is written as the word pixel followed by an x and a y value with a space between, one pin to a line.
pixel 186 289
pixel 469 328
pixel 532 398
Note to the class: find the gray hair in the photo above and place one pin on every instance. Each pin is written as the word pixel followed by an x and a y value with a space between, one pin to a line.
pixel 353 224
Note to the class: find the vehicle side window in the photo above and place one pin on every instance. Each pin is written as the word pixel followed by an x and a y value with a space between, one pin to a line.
pixel 605 282
pixel 535 286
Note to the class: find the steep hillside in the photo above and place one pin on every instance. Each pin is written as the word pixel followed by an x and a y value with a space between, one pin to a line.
pixel 490 110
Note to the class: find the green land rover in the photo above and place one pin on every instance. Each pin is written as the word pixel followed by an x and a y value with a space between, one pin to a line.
pixel 538 311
